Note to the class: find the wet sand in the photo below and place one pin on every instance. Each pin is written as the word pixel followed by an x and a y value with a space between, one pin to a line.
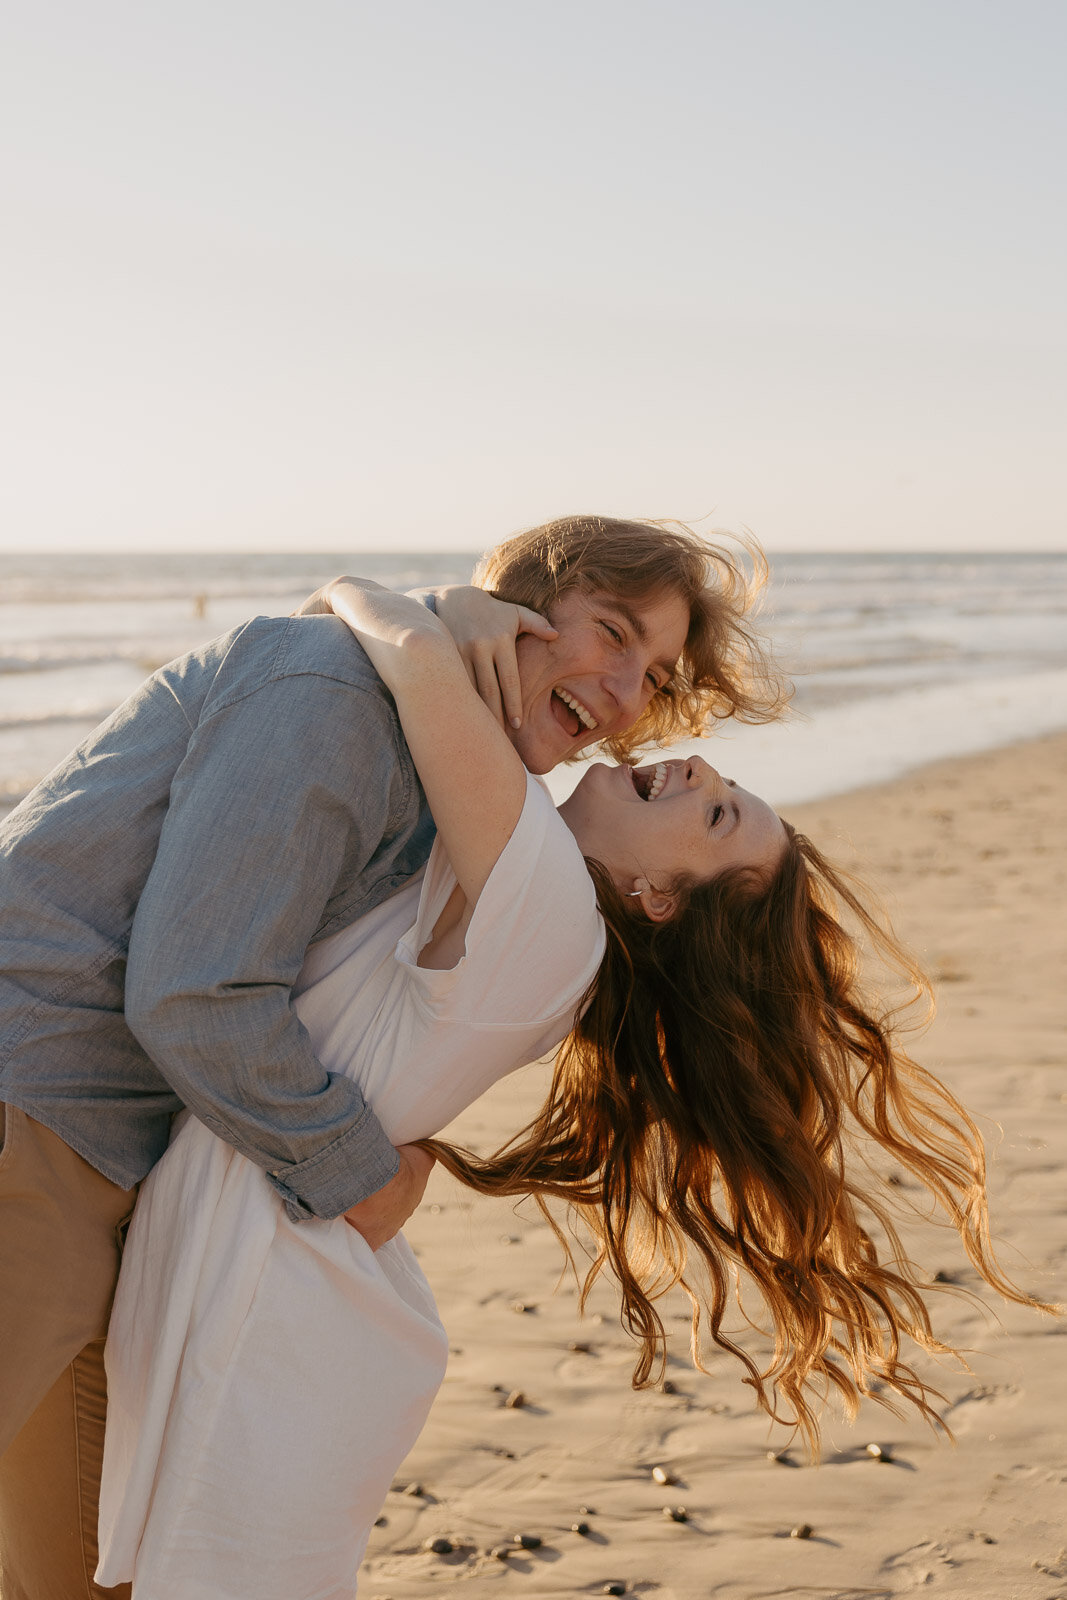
pixel 970 856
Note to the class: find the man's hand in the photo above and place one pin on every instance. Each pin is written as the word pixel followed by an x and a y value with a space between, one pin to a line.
pixel 485 630
pixel 382 1215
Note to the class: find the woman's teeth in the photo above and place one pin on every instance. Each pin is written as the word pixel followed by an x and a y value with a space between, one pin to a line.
pixel 655 787
pixel 584 717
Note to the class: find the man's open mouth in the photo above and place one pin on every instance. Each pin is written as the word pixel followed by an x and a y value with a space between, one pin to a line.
pixel 570 712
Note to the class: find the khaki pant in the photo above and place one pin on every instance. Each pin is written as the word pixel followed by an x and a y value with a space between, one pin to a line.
pixel 61 1223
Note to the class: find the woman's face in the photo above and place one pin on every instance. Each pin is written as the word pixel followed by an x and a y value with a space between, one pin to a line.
pixel 652 824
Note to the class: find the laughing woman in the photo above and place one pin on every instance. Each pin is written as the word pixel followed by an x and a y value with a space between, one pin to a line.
pixel 683 946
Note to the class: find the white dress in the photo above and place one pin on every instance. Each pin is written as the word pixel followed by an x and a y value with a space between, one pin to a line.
pixel 266 1378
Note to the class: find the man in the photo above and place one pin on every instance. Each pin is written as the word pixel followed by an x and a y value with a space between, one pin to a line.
pixel 159 891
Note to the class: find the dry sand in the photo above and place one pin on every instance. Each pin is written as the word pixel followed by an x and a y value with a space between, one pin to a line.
pixel 970 855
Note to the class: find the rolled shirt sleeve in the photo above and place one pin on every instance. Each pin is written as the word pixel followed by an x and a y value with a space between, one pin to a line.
pixel 242 880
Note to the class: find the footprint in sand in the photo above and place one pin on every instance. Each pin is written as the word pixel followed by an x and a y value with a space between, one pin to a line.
pixel 920 1564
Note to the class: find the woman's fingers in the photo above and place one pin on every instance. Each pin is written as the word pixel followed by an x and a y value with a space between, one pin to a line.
pixel 485 630
pixel 486 680
pixel 534 622
pixel 506 664
pixel 496 665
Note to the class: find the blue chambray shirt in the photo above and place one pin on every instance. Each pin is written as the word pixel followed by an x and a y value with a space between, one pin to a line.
pixel 159 889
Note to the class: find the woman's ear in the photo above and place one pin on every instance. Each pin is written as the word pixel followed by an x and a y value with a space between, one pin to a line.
pixel 657 905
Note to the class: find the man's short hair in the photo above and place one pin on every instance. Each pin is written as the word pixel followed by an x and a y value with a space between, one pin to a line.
pixel 725 670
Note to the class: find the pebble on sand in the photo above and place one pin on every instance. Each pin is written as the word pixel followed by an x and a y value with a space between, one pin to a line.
pixel 500 1552
pixel 803 1530
pixel 880 1452
pixel 438 1547
pixel 587 1511
pixel 521 1306
pixel 676 1513
pixel 667 1387
pixel 515 1400
pixel 413 1488
pixel 661 1475
pixel 528 1541
pixel 614 1588
pixel 580 1528
pixel 578 1349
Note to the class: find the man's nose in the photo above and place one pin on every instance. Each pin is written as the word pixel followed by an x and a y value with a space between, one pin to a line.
pixel 626 682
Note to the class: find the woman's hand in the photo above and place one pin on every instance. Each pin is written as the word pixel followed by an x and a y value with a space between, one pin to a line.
pixel 485 630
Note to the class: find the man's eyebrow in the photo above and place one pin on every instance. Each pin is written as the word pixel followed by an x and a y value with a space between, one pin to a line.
pixel 635 623
pixel 638 627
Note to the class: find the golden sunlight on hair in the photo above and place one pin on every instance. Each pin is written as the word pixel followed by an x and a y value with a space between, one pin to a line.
pixel 726 669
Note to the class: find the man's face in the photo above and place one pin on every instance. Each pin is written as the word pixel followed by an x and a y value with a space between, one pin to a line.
pixel 597 677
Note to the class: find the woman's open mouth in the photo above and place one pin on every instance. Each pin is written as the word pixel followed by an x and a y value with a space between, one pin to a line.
pixel 649 781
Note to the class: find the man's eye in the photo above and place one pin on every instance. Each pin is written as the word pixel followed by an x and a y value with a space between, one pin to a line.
pixel 614 632
pixel 717 814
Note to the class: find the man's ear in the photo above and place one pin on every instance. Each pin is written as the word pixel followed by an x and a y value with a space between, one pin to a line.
pixel 657 904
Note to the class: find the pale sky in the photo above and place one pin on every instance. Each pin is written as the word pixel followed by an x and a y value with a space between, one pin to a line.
pixel 414 274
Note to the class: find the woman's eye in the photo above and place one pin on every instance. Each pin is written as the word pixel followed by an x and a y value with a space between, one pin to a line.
pixel 614 632
pixel 653 682
pixel 717 815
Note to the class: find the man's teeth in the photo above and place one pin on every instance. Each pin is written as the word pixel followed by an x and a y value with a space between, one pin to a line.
pixel 579 710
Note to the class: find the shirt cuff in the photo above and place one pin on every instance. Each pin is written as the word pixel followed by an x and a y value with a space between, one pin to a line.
pixel 356 1165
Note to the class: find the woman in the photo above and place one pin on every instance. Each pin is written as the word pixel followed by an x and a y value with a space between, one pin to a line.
pixel 266 1379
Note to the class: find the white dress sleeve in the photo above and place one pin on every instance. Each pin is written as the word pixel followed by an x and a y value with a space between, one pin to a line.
pixel 536 938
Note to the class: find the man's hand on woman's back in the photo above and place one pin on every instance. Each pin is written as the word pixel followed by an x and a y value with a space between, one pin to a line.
pixel 382 1215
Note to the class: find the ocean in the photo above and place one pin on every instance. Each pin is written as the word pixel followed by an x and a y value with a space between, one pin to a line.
pixel 897 659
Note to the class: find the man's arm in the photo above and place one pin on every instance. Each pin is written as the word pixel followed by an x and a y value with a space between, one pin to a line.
pixel 281 791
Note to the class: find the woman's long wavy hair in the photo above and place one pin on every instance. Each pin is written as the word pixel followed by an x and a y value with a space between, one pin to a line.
pixel 705 1116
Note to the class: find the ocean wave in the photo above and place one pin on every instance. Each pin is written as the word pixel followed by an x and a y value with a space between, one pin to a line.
pixel 26 720
pixel 49 658
pixel 78 634
pixel 139 579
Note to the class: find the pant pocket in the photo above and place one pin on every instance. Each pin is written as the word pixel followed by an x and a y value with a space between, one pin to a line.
pixel 9 1122
pixel 121 1230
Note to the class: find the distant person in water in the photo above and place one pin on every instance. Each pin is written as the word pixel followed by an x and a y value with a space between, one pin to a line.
pixel 161 889
pixel 684 945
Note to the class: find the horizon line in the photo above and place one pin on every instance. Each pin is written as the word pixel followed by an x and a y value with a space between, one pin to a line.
pixel 457 550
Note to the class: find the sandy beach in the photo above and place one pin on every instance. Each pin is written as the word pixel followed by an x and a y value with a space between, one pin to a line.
pixel 970 857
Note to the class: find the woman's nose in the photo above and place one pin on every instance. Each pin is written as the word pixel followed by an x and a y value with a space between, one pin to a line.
pixel 697 770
